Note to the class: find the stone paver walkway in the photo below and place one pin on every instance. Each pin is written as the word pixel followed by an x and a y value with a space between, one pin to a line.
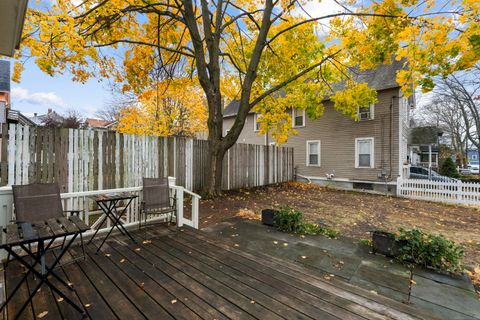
pixel 447 297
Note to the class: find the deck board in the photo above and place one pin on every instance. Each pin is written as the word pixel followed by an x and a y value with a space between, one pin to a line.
pixel 185 274
pixel 275 289
pixel 12 279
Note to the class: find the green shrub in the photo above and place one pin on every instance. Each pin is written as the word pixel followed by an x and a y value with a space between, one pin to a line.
pixel 291 220
pixel 430 250
pixel 288 220
pixel 449 169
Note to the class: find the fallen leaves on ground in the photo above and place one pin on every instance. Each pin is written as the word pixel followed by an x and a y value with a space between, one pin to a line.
pixel 42 314
pixel 248 214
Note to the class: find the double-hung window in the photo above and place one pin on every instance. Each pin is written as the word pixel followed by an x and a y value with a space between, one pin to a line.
pixel 256 123
pixel 364 153
pixel 366 113
pixel 298 118
pixel 313 153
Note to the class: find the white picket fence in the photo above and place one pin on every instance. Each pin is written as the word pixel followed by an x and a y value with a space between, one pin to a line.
pixel 457 192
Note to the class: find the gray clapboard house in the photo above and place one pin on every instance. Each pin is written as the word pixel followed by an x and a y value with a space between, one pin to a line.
pixel 367 153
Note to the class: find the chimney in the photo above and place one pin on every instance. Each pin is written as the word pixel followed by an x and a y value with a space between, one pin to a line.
pixel 49 110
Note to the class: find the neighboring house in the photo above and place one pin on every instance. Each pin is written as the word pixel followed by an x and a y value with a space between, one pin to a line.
pixel 424 147
pixel 420 155
pixel 473 161
pixel 100 124
pixel 367 153
pixel 50 116
pixel 16 117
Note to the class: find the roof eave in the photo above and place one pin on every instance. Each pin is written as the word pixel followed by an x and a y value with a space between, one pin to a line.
pixel 12 18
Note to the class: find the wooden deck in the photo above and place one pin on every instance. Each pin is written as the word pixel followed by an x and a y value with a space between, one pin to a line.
pixel 186 274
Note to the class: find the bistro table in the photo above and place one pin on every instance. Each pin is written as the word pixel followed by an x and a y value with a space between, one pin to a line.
pixel 43 233
pixel 109 205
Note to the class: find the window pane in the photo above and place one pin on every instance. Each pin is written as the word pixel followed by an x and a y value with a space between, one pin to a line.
pixel 364 147
pixel 299 121
pixel 364 160
pixel 313 159
pixel 313 148
pixel 257 124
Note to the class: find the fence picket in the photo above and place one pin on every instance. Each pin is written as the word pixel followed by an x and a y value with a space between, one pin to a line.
pixel 81 160
pixel 440 191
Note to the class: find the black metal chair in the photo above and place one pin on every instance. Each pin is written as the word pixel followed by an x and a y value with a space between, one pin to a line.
pixel 38 202
pixel 156 199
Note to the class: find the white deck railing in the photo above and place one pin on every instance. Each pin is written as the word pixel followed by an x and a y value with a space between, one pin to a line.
pixel 83 201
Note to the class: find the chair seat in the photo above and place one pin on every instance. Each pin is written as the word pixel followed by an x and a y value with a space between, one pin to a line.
pixel 158 211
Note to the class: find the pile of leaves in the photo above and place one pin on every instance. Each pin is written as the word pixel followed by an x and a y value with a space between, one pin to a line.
pixel 288 219
pixel 430 250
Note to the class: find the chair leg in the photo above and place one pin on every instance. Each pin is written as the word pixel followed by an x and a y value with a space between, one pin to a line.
pixel 8 260
pixel 83 248
pixel 140 220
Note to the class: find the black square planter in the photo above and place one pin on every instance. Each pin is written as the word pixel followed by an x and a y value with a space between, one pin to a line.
pixel 385 243
pixel 268 216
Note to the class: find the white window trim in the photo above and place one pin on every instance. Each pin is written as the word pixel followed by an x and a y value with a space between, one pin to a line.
pixel 372 153
pixel 255 117
pixel 293 119
pixel 372 113
pixel 319 153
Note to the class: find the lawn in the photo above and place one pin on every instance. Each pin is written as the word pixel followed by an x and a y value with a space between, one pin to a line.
pixel 354 214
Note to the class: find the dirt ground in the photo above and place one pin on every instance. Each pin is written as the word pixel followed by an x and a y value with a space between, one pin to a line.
pixel 354 214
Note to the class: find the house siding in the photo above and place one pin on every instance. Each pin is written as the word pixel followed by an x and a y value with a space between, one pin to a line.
pixel 337 134
pixel 248 134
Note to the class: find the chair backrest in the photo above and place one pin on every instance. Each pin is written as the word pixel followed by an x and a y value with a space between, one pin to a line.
pixel 156 193
pixel 37 201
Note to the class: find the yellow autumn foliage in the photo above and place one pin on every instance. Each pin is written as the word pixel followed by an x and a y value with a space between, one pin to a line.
pixel 174 107
pixel 141 43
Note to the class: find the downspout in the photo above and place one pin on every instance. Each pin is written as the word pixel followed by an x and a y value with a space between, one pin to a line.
pixel 391 139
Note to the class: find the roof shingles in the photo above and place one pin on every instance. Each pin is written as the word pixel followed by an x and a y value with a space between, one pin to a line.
pixel 380 78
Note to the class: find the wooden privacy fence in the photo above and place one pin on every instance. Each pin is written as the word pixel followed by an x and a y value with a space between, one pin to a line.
pixel 82 160
pixel 440 191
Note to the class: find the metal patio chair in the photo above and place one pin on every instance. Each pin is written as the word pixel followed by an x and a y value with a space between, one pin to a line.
pixel 38 202
pixel 156 199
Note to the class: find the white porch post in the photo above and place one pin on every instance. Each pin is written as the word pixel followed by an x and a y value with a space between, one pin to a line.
pixel 179 192
pixel 429 161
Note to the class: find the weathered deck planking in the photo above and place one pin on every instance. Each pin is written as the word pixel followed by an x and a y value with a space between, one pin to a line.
pixel 185 274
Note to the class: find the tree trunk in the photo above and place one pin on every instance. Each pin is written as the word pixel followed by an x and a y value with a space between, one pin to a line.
pixel 213 183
